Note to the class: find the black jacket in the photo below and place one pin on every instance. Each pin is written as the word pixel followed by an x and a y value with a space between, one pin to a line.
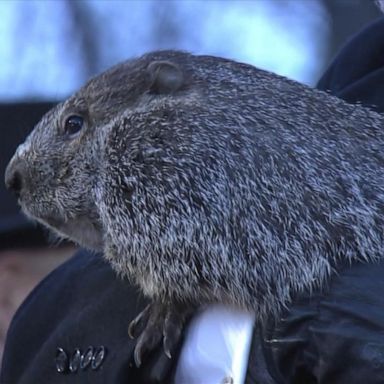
pixel 83 309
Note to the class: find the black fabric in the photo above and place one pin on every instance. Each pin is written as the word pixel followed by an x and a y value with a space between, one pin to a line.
pixel 16 121
pixel 334 337
pixel 356 75
pixel 80 304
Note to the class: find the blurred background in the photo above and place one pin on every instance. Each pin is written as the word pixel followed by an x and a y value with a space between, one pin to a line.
pixel 49 48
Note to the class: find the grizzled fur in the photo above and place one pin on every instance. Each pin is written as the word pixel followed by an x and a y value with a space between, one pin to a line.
pixel 227 184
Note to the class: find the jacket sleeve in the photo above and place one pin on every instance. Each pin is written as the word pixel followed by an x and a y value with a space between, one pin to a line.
pixel 334 337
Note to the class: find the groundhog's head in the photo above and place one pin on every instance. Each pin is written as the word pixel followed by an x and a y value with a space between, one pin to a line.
pixel 55 172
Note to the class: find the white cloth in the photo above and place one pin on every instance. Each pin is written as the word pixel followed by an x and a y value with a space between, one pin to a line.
pixel 216 347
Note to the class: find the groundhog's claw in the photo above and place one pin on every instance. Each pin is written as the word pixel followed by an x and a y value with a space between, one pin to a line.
pixel 147 341
pixel 173 325
pixel 137 325
pixel 155 323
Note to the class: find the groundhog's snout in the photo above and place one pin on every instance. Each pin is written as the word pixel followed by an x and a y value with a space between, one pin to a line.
pixel 15 176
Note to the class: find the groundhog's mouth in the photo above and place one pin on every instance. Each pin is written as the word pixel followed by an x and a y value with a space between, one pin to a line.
pixel 81 230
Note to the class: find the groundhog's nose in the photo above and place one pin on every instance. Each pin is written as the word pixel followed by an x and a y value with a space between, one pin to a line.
pixel 14 176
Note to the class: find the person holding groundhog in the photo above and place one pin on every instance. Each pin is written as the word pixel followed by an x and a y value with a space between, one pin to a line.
pixel 79 311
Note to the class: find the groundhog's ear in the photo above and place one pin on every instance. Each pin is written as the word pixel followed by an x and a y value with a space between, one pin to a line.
pixel 165 77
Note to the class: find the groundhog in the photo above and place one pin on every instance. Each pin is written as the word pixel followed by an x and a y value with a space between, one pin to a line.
pixel 204 180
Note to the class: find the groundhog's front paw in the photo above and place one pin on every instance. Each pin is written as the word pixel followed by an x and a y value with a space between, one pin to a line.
pixel 158 321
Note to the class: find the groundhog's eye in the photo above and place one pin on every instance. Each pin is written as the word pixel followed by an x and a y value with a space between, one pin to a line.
pixel 73 125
